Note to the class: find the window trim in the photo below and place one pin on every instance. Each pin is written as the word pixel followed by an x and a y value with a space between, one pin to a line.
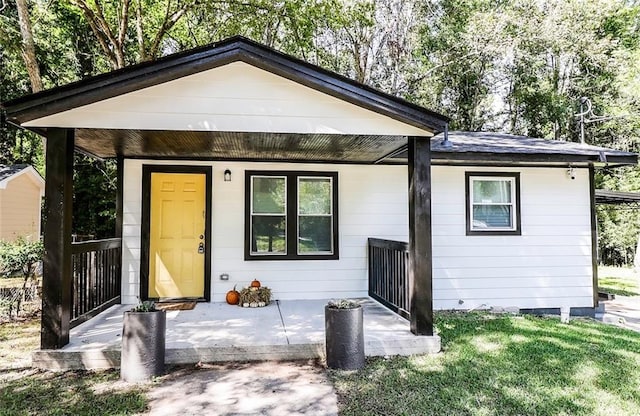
pixel 291 215
pixel 515 177
pixel 283 214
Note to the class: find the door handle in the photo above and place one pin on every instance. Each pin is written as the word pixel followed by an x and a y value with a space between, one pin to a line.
pixel 201 248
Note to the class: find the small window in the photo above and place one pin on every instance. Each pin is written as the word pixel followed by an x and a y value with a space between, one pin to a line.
pixel 493 203
pixel 291 215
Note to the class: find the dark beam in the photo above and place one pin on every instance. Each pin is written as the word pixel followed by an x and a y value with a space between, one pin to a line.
pixel 594 236
pixel 56 282
pixel 119 195
pixel 419 273
pixel 119 211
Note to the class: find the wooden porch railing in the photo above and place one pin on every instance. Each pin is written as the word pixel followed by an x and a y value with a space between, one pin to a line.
pixel 97 269
pixel 388 283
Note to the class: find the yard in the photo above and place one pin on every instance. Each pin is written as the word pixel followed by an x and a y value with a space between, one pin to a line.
pixel 618 281
pixel 24 391
pixel 504 365
pixel 490 365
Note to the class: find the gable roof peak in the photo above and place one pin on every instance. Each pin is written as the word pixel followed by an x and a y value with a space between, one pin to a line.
pixel 236 48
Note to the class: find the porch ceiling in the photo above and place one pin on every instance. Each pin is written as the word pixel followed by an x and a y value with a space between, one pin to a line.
pixel 237 145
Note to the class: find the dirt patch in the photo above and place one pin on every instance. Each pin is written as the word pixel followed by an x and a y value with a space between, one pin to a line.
pixel 265 388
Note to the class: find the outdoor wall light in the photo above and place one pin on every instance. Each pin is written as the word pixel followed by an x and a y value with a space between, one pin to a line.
pixel 227 175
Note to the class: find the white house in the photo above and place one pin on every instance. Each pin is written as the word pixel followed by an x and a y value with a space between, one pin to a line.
pixel 238 162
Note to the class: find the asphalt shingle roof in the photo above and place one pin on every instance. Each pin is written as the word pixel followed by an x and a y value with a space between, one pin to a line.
pixel 488 142
pixel 7 171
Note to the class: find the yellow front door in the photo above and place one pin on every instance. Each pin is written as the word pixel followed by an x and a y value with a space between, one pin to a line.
pixel 176 235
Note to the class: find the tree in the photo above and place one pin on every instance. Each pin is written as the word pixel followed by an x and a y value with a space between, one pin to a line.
pixel 28 46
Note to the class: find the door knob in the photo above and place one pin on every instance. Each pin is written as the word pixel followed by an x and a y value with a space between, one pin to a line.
pixel 201 248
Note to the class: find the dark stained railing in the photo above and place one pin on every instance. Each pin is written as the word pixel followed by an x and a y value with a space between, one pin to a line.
pixel 96 278
pixel 388 262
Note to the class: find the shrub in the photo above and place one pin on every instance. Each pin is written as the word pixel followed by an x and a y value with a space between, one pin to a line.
pixel 20 256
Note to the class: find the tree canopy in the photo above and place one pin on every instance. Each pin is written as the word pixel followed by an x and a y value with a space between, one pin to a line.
pixel 517 66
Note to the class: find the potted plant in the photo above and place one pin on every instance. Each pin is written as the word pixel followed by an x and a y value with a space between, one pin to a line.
pixel 343 320
pixel 143 343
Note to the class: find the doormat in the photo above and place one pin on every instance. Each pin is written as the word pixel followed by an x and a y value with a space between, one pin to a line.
pixel 176 306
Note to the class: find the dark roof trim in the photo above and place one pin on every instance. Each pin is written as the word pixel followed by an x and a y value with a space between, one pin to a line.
pixel 481 147
pixel 234 49
pixel 531 157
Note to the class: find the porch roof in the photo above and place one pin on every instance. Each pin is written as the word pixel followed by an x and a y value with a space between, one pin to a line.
pixel 235 99
pixel 608 197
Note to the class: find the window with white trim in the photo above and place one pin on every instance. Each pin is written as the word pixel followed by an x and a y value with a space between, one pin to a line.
pixel 493 203
pixel 291 215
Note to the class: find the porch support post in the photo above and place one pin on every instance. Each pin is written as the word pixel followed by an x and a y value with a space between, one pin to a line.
pixel 119 216
pixel 419 272
pixel 56 281
pixel 119 195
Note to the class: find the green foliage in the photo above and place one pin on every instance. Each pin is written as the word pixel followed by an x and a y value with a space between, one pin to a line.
pixel 514 66
pixel 20 256
pixel 146 306
pixel 618 225
pixel 503 365
pixel 94 197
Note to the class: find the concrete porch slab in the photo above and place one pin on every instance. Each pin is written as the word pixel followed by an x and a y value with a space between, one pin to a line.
pixel 217 332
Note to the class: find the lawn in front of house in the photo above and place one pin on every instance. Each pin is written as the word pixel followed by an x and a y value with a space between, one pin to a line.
pixel 490 365
pixel 25 391
pixel 622 281
pixel 504 365
pixel 18 338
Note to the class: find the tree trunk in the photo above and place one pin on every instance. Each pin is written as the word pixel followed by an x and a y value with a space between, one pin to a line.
pixel 28 46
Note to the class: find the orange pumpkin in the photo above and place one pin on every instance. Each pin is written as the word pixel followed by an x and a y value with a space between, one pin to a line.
pixel 233 297
pixel 255 283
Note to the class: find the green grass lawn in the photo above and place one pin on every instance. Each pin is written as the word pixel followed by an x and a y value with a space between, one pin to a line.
pixel 25 391
pixel 17 340
pixel 618 281
pixel 504 365
pixel 31 392
pixel 490 365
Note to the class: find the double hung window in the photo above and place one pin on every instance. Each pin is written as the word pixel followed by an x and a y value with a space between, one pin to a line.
pixel 493 203
pixel 291 215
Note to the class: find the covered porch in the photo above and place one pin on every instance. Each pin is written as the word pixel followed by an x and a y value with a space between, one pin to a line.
pixel 217 332
pixel 237 103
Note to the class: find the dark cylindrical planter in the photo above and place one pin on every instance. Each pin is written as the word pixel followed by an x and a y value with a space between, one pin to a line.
pixel 344 337
pixel 143 344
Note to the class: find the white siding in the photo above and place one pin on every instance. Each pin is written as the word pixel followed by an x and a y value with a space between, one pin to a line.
pixel 371 203
pixel 20 203
pixel 549 265
pixel 233 97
